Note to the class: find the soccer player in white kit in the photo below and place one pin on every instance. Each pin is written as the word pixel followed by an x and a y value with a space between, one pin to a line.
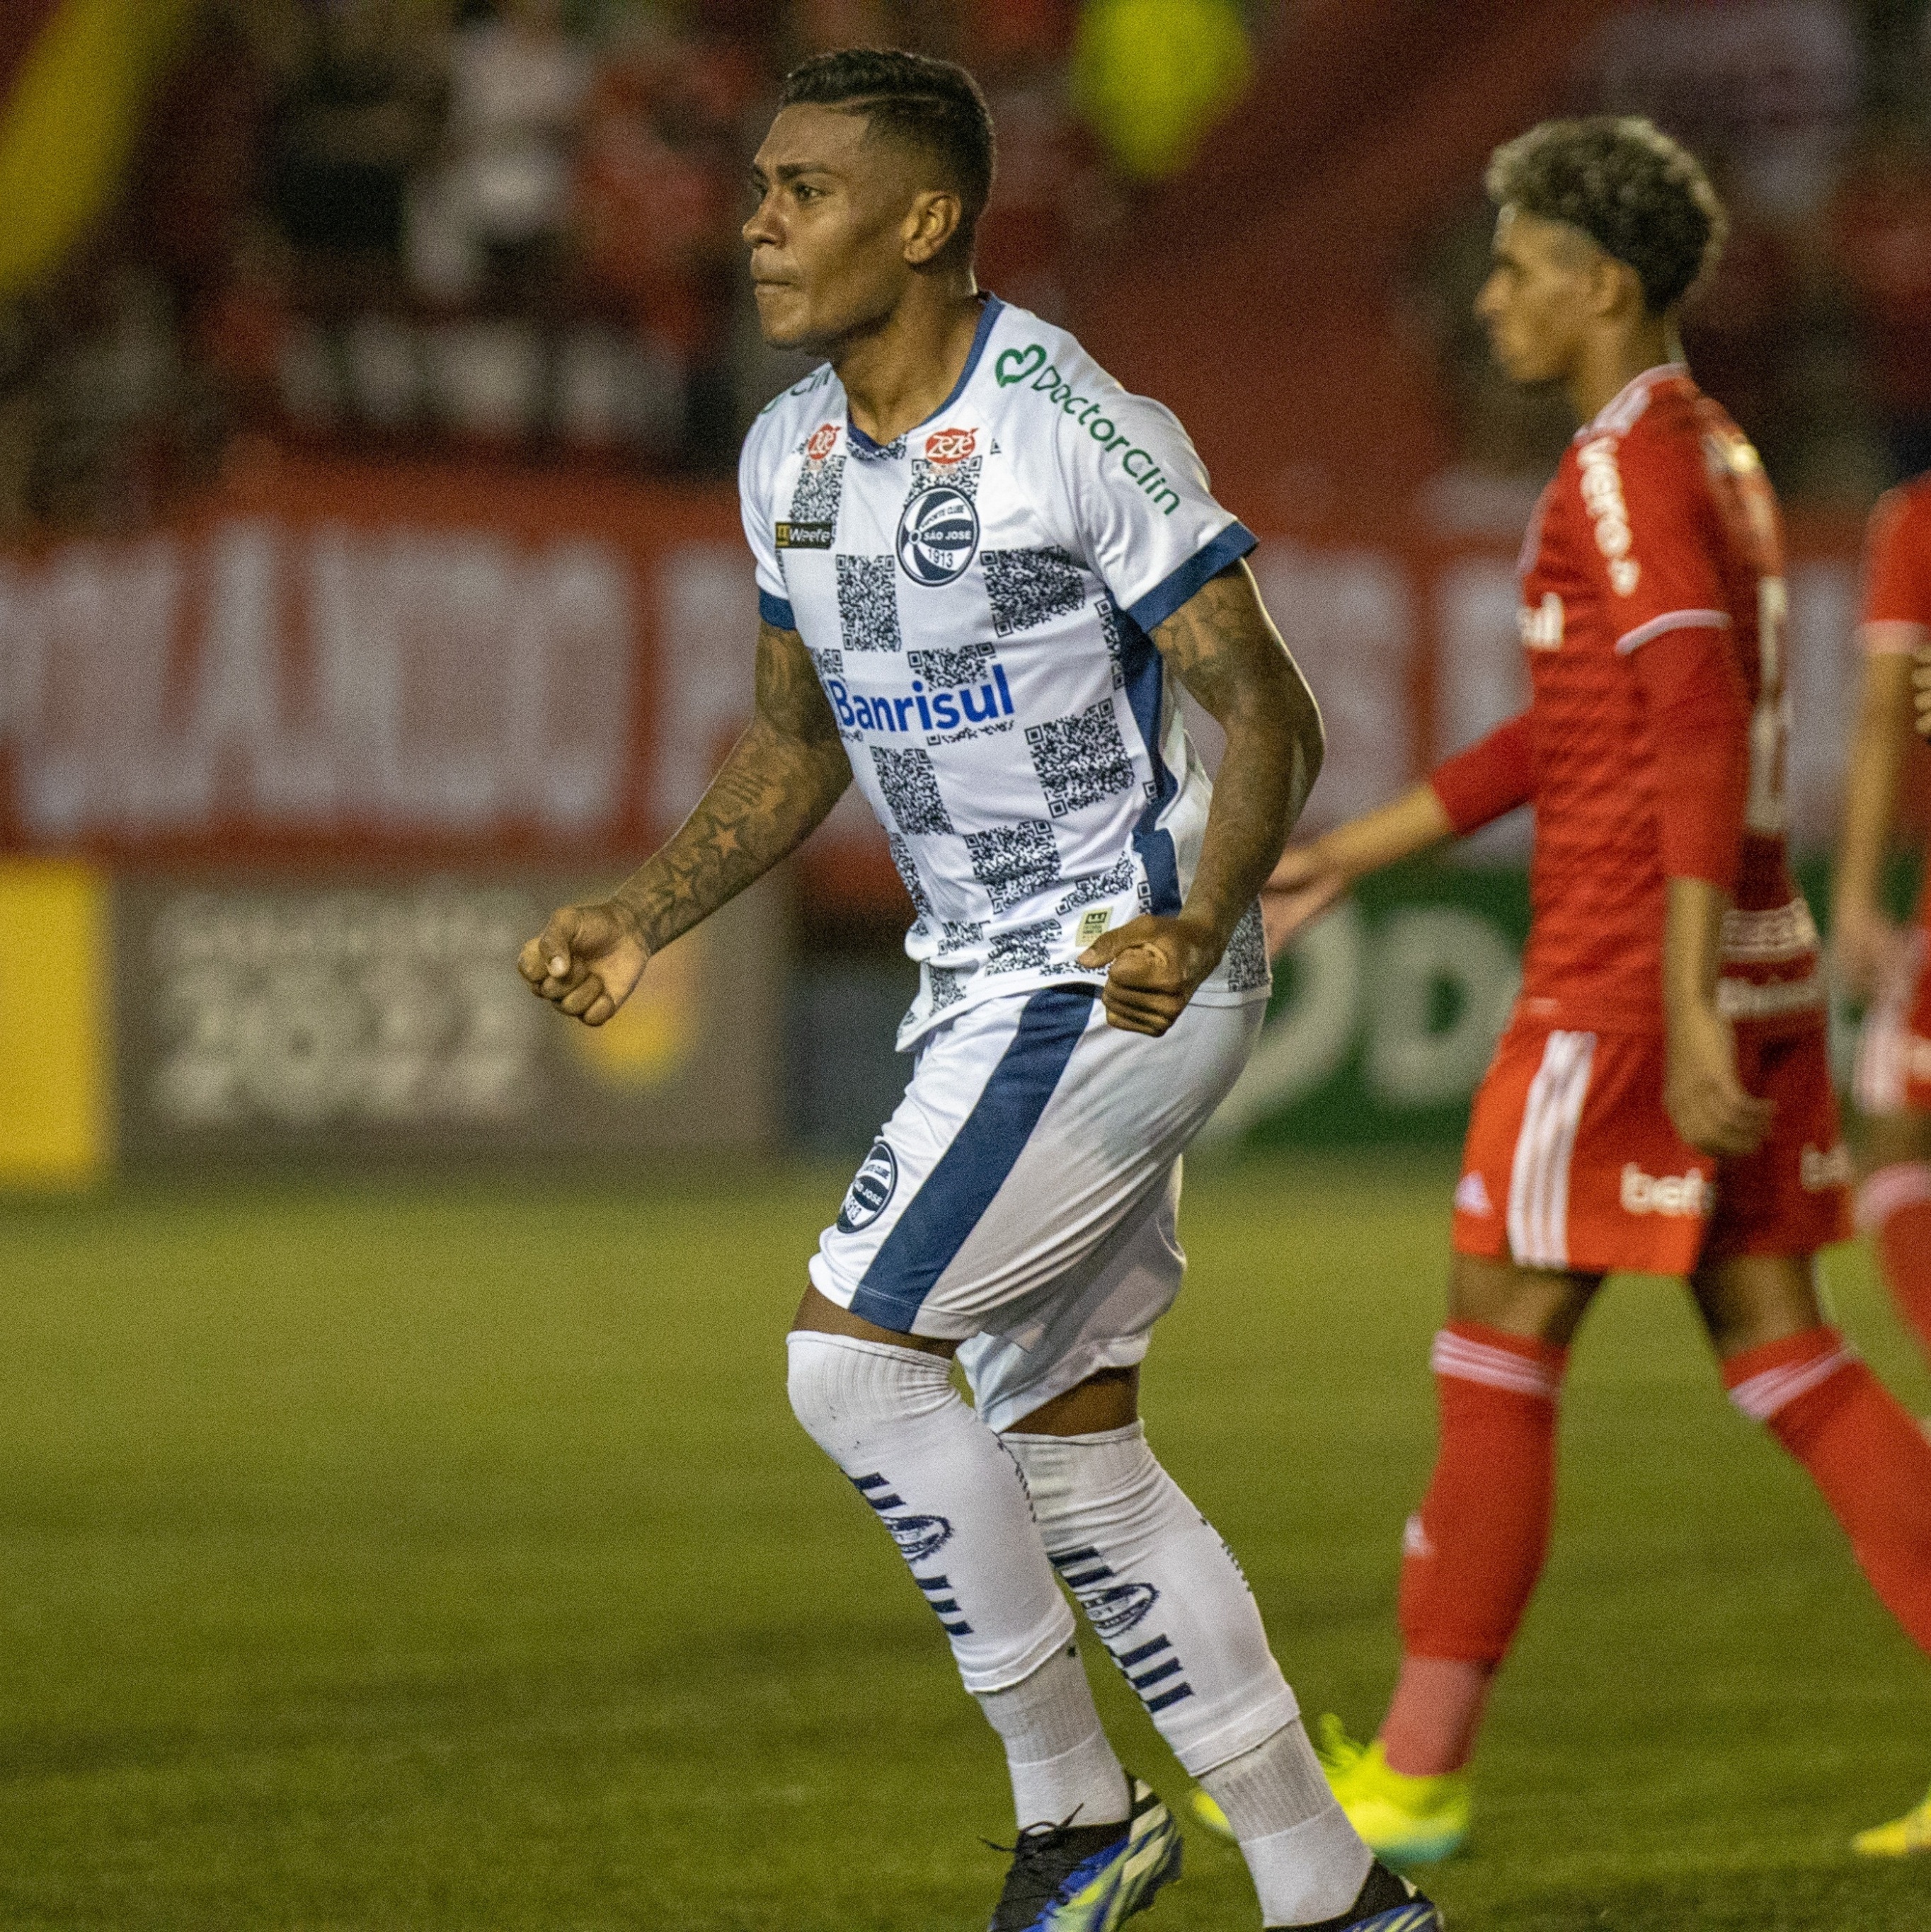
pixel 981 565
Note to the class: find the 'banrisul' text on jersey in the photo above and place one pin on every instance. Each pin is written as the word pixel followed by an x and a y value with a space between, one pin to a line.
pixel 977 596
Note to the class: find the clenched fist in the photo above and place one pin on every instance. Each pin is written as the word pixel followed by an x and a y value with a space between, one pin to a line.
pixel 587 961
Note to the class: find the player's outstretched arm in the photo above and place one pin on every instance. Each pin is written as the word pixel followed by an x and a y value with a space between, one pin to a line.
pixel 1222 647
pixel 1491 777
pixel 782 777
pixel 1866 948
pixel 1308 879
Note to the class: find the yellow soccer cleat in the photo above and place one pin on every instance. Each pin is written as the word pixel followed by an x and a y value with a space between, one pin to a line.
pixel 1899 1839
pixel 1407 1821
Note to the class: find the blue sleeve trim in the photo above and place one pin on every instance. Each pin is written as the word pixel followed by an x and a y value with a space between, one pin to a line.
pixel 775 611
pixel 1173 590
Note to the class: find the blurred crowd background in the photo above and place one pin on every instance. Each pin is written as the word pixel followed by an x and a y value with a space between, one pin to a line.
pixel 372 374
pixel 510 226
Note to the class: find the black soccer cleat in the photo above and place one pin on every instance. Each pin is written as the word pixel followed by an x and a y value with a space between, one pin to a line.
pixel 1386 1902
pixel 1089 1878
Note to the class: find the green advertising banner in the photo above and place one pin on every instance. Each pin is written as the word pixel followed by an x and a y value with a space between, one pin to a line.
pixel 1385 1014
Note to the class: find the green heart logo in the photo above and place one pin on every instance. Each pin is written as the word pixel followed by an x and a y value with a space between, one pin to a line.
pixel 1015 365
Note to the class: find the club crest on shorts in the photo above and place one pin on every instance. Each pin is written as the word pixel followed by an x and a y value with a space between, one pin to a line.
pixel 1114 1612
pixel 938 534
pixel 872 1189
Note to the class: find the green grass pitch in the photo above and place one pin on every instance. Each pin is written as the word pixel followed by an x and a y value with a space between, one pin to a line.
pixel 441 1556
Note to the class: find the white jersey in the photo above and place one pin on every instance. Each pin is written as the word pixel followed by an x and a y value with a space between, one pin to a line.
pixel 977 596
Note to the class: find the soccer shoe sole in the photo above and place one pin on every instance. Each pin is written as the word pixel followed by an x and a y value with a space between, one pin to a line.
pixel 1397 1849
pixel 1908 1837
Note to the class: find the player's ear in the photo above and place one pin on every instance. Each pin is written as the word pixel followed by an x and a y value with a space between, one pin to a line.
pixel 930 223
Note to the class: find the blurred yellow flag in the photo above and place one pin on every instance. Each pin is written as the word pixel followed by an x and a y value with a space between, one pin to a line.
pixel 1152 77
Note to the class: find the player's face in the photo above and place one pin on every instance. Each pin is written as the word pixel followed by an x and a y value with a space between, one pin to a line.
pixel 828 235
pixel 1537 301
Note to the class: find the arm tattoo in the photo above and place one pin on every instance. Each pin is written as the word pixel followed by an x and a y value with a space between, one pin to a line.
pixel 1222 647
pixel 773 791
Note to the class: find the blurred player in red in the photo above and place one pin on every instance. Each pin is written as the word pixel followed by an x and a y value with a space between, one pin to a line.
pixel 1661 1101
pixel 1889 968
pixel 1873 958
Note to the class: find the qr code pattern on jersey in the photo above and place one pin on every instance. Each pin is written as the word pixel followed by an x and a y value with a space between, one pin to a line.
pixel 1246 961
pixel 1030 587
pixel 950 671
pixel 815 500
pixel 911 786
pixel 963 475
pixel 1015 861
pixel 1108 614
pixel 947 984
pixel 1023 948
pixel 1080 760
pixel 868 603
pixel 1107 885
pixel 961 935
pixel 830 664
pixel 908 870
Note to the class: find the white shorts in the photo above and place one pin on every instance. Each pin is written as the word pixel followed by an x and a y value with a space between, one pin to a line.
pixel 1022 1199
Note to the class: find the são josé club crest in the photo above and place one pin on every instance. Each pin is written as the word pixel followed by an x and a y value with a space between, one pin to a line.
pixel 938 534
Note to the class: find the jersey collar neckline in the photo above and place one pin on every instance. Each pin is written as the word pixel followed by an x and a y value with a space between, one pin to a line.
pixel 988 315
pixel 1630 400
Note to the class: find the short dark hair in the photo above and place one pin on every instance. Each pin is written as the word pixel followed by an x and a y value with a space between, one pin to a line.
pixel 931 105
pixel 1638 194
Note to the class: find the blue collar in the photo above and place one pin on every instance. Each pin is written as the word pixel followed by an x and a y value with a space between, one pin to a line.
pixel 988 316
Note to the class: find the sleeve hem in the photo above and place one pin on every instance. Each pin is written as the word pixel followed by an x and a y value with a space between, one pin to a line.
pixel 1892 637
pixel 1671 620
pixel 775 611
pixel 1177 586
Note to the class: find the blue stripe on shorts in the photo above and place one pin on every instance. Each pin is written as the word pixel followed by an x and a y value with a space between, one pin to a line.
pixel 960 1187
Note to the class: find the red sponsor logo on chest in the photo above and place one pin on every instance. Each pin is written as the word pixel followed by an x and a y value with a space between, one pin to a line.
pixel 950 445
pixel 823 439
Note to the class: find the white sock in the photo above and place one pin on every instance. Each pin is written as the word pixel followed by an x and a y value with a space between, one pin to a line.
pixel 951 1497
pixel 1308 1863
pixel 1063 1769
pixel 1160 1589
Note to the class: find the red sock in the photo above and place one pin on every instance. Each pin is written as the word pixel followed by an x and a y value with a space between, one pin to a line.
pixel 1474 1550
pixel 1895 1205
pixel 1862 1451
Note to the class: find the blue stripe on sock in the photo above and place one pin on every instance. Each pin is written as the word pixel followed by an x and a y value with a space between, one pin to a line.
pixel 882 1504
pixel 1086 1576
pixel 960 1188
pixel 1153 1676
pixel 1167 1697
pixel 951 1604
pixel 933 1582
pixel 1066 1556
pixel 873 1481
pixel 1144 1650
pixel 957 1629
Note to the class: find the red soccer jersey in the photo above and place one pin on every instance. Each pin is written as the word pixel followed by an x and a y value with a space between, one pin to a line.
pixel 1897 570
pixel 1660 518
pixel 1897 589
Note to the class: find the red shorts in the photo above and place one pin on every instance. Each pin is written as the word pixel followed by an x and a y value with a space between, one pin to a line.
pixel 1572 1162
pixel 1894 1054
